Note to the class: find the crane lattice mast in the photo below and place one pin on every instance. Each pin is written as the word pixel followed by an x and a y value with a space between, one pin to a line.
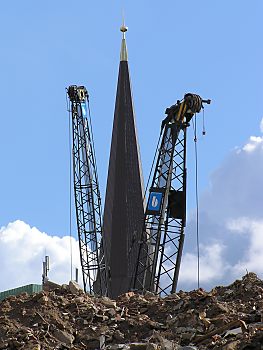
pixel 162 238
pixel 87 194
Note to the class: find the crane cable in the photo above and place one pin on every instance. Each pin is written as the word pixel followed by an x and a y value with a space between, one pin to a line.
pixel 70 193
pixel 102 243
pixel 197 200
pixel 92 142
pixel 204 131
pixel 153 162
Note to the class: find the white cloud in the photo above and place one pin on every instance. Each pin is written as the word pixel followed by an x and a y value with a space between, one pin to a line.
pixel 238 225
pixel 22 250
pixel 236 188
pixel 261 125
pixel 230 215
pixel 253 259
pixel 254 142
pixel 212 266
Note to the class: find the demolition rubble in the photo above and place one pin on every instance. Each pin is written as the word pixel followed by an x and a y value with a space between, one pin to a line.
pixel 226 318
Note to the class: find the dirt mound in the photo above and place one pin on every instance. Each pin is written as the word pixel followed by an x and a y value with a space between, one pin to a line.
pixel 226 318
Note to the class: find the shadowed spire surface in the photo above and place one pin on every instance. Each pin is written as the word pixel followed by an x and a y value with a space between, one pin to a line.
pixel 123 210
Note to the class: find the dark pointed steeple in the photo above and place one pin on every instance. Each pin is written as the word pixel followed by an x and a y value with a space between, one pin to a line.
pixel 123 210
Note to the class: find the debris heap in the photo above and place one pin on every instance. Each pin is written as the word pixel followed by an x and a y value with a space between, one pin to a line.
pixel 226 318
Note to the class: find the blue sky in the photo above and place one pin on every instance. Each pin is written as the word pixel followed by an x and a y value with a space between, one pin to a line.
pixel 213 48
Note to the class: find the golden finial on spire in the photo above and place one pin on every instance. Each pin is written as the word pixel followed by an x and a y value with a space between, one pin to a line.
pixel 123 29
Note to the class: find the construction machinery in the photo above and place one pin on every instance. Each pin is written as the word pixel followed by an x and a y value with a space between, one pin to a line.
pixel 162 238
pixel 159 245
pixel 87 194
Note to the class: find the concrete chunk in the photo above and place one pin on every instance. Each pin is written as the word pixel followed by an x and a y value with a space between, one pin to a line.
pixel 63 336
pixel 75 288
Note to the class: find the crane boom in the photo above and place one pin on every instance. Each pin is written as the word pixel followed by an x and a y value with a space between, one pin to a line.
pixel 162 238
pixel 87 194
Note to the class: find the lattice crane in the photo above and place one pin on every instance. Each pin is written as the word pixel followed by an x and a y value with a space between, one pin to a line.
pixel 162 238
pixel 87 194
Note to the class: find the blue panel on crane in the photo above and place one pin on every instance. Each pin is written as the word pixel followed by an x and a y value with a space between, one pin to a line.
pixel 84 109
pixel 155 201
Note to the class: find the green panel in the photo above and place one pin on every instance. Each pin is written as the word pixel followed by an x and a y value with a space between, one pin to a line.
pixel 29 289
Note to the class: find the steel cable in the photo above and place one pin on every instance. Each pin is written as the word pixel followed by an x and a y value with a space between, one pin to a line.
pixel 197 202
pixel 70 193
pixel 154 158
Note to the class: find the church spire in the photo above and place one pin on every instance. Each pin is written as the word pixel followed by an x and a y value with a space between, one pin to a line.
pixel 123 209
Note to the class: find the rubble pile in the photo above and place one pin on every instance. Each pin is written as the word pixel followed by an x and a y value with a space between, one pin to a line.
pixel 226 318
